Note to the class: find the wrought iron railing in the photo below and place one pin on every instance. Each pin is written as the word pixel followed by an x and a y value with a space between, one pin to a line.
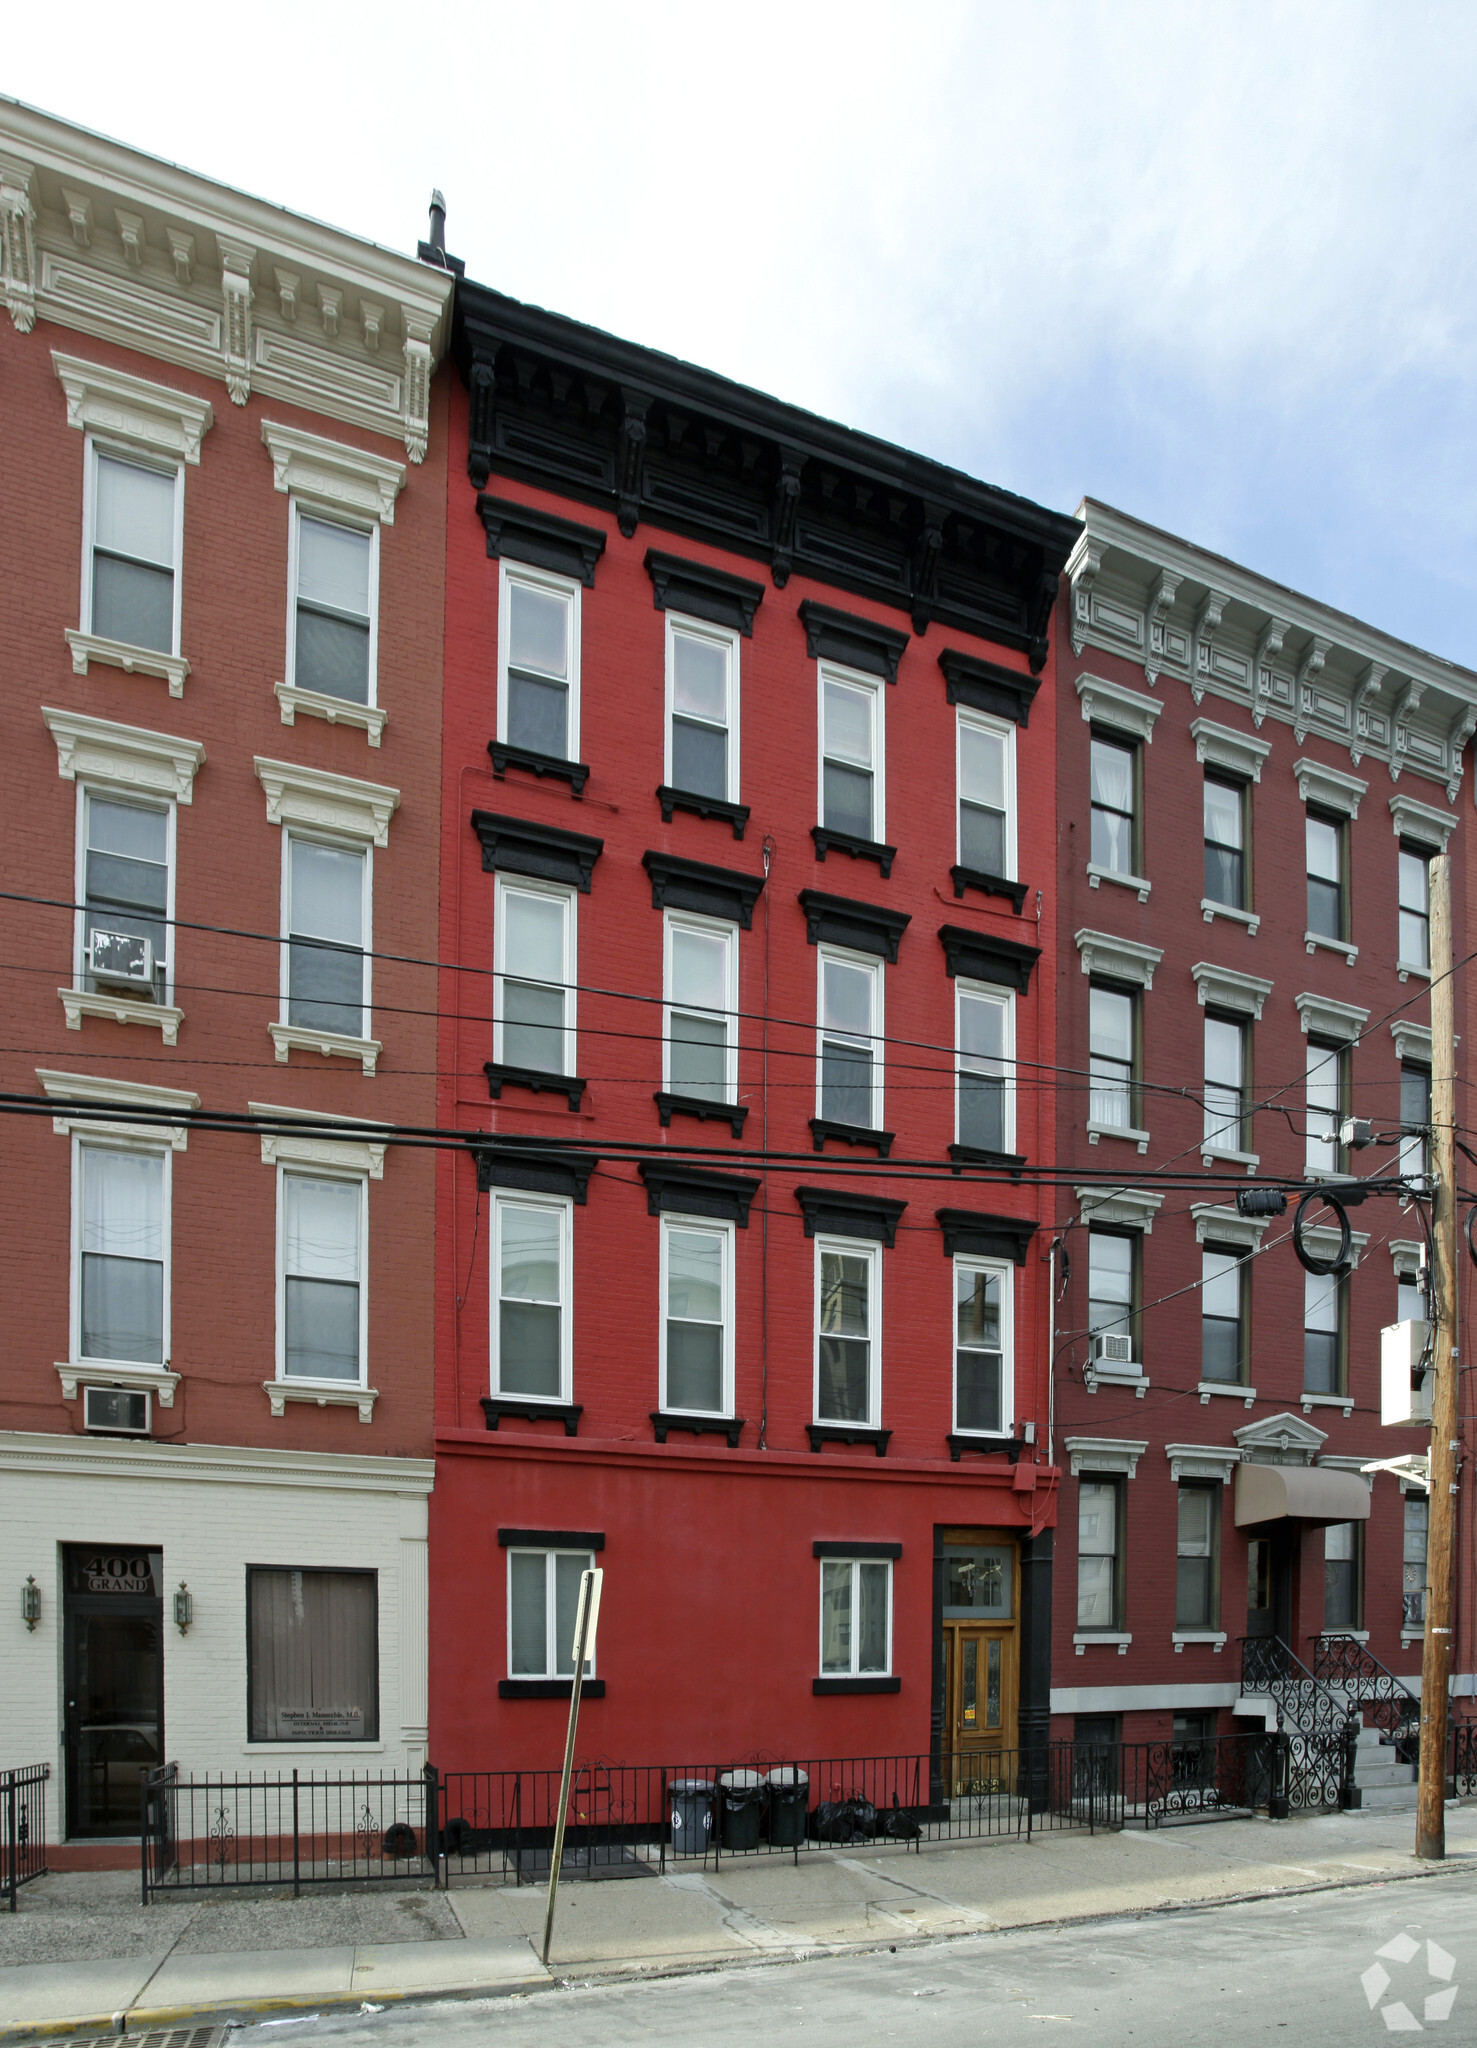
pixel 1269 1666
pixel 22 1828
pixel 1463 1775
pixel 1387 1704
pixel 1309 1763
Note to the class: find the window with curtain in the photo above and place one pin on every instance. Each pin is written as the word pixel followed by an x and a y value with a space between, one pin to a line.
pixel 1325 862
pixel 1220 1316
pixel 1111 1015
pixel 530 1344
pixel 326 936
pixel 701 1043
pixel 856 1617
pixel 1322 1324
pixel 697 1336
pixel 849 748
pixel 1114 772
pixel 322 1226
pixel 125 889
pixel 122 1251
pixel 312 1648
pixel 1342 1601
pixel 702 664
pixel 1415 905
pixel 1413 1586
pixel 543 1603
pixel 1110 1278
pixel 1225 843
pixel 537 633
pixel 844 1335
pixel 531 993
pixel 984 797
pixel 981 1366
pixel 1225 1083
pixel 1099 1542
pixel 1195 1604
pixel 332 626
pixel 134 538
pixel 1325 1098
pixel 985 1103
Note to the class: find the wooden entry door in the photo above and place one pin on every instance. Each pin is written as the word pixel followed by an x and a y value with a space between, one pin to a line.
pixel 982 1690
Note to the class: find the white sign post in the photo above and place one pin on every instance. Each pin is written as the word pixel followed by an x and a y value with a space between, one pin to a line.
pixel 586 1620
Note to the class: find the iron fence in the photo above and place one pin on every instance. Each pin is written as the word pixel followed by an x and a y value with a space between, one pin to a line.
pixel 1463 1779
pixel 23 1817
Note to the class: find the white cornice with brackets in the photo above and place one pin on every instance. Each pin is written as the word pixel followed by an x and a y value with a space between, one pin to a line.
pixel 1329 788
pixel 1421 822
pixel 1120 959
pixel 126 756
pixel 121 408
pixel 1225 988
pixel 1220 747
pixel 1324 1018
pixel 331 803
pixel 1202 1461
pixel 336 1147
pixel 1131 1208
pixel 1105 703
pixel 1217 1225
pixel 1323 1240
pixel 347 479
pixel 1412 1041
pixel 1105 1454
pixel 141 1095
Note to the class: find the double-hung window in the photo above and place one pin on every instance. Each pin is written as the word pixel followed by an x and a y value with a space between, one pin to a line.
pixel 1222 1323
pixel 848 1323
pixel 1111 1275
pixel 322 1315
pixel 1114 789
pixel 1415 1119
pixel 1225 843
pixel 538 658
pixel 849 1076
pixel 986 767
pixel 1415 906
pixel 1323 1153
pixel 851 755
pixel 127 889
pixel 120 1282
pixel 327 963
pixel 701 1037
pixel 1112 1046
pixel 702 709
pixel 1225 1083
pixel 533 986
pixel 1343 1592
pixel 697 1317
pixel 856 1617
pixel 131 563
pixel 986 1100
pixel 1099 1554
pixel 983 1373
pixel 1195 1599
pixel 1327 905
pixel 543 1603
pixel 1323 1301
pixel 1413 1586
pixel 531 1343
pixel 331 639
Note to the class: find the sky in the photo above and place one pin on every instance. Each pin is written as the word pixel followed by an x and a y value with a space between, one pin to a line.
pixel 1211 263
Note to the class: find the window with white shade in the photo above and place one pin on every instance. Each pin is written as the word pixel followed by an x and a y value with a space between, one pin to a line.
pixel 1112 1045
pixel 1415 905
pixel 849 1076
pixel 327 952
pixel 1196 1604
pixel 131 554
pixel 702 709
pixel 1112 1264
pixel 1225 1083
pixel 1099 1554
pixel 538 659
pixel 985 1111
pixel 531 1347
pixel 983 1375
pixel 543 1604
pixel 1343 1590
pixel 322 1316
pixel 331 644
pixel 1413 1579
pixel 126 889
pixel 1322 1333
pixel 851 755
pixel 986 767
pixel 1322 1152
pixel 1222 1301
pixel 1114 792
pixel 533 993
pixel 1327 904
pixel 700 1042
pixel 697 1317
pixel 856 1617
pixel 848 1370
pixel 1225 843
pixel 121 1260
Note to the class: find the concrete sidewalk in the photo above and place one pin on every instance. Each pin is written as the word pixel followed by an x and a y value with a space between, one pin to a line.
pixel 82 1956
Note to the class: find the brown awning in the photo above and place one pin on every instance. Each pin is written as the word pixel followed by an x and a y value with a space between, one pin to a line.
pixel 1299 1493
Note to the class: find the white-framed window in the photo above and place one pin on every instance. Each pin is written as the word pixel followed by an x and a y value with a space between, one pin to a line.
pixel 702 754
pixel 849 1039
pixel 1112 1277
pixel 133 536
pixel 543 1601
pixel 984 1377
pixel 985 1034
pixel 532 1348
pixel 333 605
pixel 986 772
pixel 533 987
pixel 697 1316
pixel 700 1025
pixel 1225 1082
pixel 1325 1108
pixel 538 696
pixel 848 1330
pixel 125 884
pixel 326 899
pixel 1112 1024
pixel 322 1301
pixel 120 1252
pixel 852 782
pixel 856 1617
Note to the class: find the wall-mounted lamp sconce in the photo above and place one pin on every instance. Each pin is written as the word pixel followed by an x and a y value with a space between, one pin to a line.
pixel 30 1603
pixel 184 1608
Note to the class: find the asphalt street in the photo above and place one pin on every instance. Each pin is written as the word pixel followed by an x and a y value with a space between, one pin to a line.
pixel 1349 1967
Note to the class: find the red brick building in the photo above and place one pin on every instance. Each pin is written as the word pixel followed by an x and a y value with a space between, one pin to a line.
pixel 227 434
pixel 747 831
pixel 1249 786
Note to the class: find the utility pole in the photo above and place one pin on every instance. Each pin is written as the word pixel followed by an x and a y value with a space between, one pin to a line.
pixel 1441 1541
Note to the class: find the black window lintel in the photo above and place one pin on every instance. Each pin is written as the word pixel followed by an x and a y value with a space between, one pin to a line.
pixel 988 1237
pixel 980 956
pixel 551 1539
pixel 695 1191
pixel 702 592
pixel 543 1173
pixel 856 1549
pixel 841 921
pixel 848 638
pixel 834 1212
pixel 522 533
pixel 519 847
pixel 694 885
pixel 987 686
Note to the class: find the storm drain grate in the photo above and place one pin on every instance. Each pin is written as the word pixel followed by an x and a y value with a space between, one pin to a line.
pixel 152 2037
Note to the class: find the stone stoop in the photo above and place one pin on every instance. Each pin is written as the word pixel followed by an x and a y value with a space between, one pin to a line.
pixel 1385 1784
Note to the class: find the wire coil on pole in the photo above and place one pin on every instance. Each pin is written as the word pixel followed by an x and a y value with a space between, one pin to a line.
pixel 1315 1262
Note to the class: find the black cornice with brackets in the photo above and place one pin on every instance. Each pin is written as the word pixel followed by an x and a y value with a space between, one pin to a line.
pixel 654 440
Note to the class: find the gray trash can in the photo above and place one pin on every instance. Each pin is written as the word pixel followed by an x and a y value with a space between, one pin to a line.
pixel 742 1796
pixel 789 1799
pixel 692 1815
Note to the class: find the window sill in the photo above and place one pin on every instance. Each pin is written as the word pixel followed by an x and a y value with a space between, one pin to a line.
pixel 821 1686
pixel 823 1127
pixel 496 1406
pixel 1095 874
pixel 1344 1635
pixel 1115 1376
pixel 980 1155
pixel 731 1426
pixel 321 1394
pixel 847 1433
pixel 827 841
pixel 736 815
pixel 989 885
pixel 331 1044
pixel 731 1113
pixel 1199 1637
pixel 548 1689
pixel 337 710
pixel 1134 1137
pixel 79 1003
pixel 141 661
pixel 990 1443
pixel 1231 1389
pixel 1230 1157
pixel 500 1076
pixel 504 757
pixel 1102 1641
pixel 1404 969
pixel 157 1380
pixel 1312 1401
pixel 1210 911
pixel 1316 942
pixel 1411 1635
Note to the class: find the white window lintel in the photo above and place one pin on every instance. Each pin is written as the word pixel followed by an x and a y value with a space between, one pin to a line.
pixel 1107 1454
pixel 334 1148
pixel 1422 822
pixel 1105 703
pixel 1226 988
pixel 125 756
pixel 1218 746
pixel 1202 1461
pixel 1215 1225
pixel 1119 959
pixel 1323 1017
pixel 1329 788
pixel 1130 1208
pixel 327 803
pixel 1412 1041
pixel 332 474
pixel 123 408
pixel 91 1088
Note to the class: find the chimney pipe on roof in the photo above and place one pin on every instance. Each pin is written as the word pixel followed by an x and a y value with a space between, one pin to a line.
pixel 438 221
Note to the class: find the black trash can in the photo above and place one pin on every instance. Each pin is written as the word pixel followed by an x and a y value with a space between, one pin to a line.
pixel 692 1815
pixel 741 1796
pixel 789 1797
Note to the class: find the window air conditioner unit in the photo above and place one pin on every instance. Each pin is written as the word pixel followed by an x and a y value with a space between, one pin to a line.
pixel 1405 1382
pixel 123 959
pixel 118 1410
pixel 1112 1350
